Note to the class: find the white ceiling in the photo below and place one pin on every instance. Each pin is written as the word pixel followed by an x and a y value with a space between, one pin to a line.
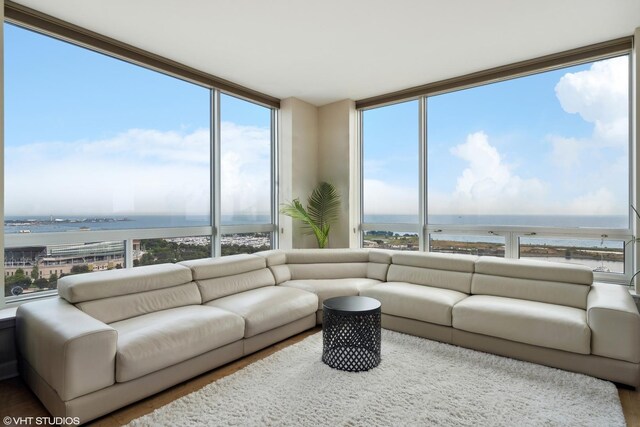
pixel 329 50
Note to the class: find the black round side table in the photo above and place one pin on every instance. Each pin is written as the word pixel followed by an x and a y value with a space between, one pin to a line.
pixel 351 333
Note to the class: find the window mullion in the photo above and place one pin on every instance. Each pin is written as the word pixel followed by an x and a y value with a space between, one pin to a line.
pixel 215 175
pixel 422 187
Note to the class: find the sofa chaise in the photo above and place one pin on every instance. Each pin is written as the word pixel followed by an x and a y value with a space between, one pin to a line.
pixel 115 337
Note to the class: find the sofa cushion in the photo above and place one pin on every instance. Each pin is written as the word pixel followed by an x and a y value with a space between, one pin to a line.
pixel 113 309
pixel 380 256
pixel 340 270
pixel 111 283
pixel 303 264
pixel 267 308
pixel 322 256
pixel 379 261
pixel 453 280
pixel 614 321
pixel 425 303
pixel 536 270
pixel 568 294
pixel 433 269
pixel 154 341
pixel 223 286
pixel 220 277
pixel 437 261
pixel 72 352
pixel 330 288
pixel 377 271
pixel 273 257
pixel 529 322
pixel 281 273
pixel 331 264
pixel 209 268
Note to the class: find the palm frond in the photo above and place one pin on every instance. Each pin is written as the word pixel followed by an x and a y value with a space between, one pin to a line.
pixel 324 205
pixel 323 209
pixel 296 211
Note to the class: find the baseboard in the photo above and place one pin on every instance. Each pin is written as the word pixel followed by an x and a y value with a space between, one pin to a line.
pixel 8 370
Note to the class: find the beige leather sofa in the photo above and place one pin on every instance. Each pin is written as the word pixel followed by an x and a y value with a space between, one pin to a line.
pixel 546 313
pixel 328 273
pixel 115 337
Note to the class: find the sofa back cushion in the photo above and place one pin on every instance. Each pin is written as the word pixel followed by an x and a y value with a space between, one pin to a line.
pixel 327 263
pixel 306 264
pixel 114 295
pixel 221 277
pixel 111 283
pixel 433 269
pixel 329 270
pixel 276 260
pixel 115 309
pixel 554 283
pixel 379 261
pixel 327 256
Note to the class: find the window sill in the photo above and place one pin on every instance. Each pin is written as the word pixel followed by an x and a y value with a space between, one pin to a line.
pixel 8 317
pixel 8 312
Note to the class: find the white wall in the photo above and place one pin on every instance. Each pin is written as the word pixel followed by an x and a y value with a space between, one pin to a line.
pixel 337 138
pixel 298 158
pixel 318 144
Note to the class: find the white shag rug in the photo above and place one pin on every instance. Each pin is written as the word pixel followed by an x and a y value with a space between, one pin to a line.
pixel 418 383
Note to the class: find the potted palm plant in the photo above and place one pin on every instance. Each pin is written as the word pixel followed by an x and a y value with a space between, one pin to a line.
pixel 323 208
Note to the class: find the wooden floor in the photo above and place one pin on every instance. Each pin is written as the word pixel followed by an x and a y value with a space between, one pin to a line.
pixel 16 400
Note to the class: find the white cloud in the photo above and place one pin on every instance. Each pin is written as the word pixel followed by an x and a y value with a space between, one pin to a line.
pixel 381 198
pixel 488 185
pixel 485 173
pixel 599 202
pixel 246 169
pixel 594 167
pixel 136 172
pixel 600 96
pixel 566 152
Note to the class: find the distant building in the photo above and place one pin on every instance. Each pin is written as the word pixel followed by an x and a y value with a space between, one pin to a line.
pixel 59 259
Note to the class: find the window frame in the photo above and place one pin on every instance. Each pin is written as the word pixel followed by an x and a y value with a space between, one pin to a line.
pixel 422 180
pixel 42 23
pixel 216 229
pixel 512 234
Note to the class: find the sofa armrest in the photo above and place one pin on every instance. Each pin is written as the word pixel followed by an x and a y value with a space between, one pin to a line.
pixel 73 352
pixel 614 321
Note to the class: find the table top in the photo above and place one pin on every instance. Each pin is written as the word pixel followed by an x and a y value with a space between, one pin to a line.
pixel 352 305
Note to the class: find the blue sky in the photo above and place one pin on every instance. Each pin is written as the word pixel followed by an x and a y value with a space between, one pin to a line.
pixel 551 143
pixel 58 91
pixel 86 97
pixel 123 138
pixel 517 113
pixel 117 138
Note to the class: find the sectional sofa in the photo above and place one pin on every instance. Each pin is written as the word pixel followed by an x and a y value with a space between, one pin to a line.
pixel 114 337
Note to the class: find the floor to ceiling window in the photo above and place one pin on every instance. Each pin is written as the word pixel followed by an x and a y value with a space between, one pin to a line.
pixel 247 190
pixel 390 167
pixel 534 167
pixel 111 165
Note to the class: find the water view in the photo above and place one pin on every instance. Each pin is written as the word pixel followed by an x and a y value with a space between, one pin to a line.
pixel 37 268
